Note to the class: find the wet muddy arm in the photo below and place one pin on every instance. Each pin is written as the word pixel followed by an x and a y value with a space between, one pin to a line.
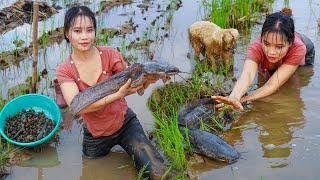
pixel 101 103
pixel 283 73
pixel 70 90
pixel 123 91
pixel 245 80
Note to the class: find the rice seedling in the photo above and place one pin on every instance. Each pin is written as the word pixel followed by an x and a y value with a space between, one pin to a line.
pixel 166 173
pixel 149 32
pixel 105 38
pixel 43 41
pixel 157 30
pixel 123 46
pixel 174 4
pixel 141 172
pixel 169 136
pixel 224 69
pixel 240 14
pixel 17 42
pixel 108 38
pixel 2 101
pixel 239 127
pixel 88 2
pixel 19 89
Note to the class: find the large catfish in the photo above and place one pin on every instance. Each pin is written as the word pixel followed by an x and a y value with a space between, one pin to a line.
pixel 156 70
pixel 211 145
pixel 191 113
pixel 203 142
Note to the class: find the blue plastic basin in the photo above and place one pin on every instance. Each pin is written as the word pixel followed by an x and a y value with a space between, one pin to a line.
pixel 38 103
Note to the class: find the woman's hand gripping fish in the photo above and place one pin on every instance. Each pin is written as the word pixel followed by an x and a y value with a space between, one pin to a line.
pixel 139 74
pixel 203 142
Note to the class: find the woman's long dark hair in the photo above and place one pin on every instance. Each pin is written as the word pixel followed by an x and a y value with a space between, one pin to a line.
pixel 280 23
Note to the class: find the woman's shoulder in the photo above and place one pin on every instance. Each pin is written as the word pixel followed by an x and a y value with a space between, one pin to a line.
pixel 256 44
pixel 296 53
pixel 297 40
pixel 66 64
pixel 109 53
pixel 297 46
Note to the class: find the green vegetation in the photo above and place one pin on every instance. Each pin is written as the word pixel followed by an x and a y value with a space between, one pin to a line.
pixel 240 14
pixel 164 104
pixel 141 172
pixel 5 151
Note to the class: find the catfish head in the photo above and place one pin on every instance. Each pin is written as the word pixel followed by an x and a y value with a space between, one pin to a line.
pixel 139 73
pixel 160 70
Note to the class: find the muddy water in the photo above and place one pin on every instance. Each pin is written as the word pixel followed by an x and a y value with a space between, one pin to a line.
pixel 280 138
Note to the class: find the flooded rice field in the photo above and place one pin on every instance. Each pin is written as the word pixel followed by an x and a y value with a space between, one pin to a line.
pixel 279 138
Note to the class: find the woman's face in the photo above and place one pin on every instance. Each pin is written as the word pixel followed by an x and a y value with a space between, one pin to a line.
pixel 82 34
pixel 275 46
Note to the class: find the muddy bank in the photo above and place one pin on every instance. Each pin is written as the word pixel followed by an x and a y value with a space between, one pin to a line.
pixel 105 6
pixel 21 12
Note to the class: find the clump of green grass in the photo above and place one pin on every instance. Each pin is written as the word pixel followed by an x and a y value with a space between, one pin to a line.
pixel 105 36
pixel 50 37
pixel 240 14
pixel 164 104
pixel 170 138
pixel 5 151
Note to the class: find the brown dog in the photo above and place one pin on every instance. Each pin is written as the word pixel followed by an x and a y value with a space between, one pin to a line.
pixel 207 37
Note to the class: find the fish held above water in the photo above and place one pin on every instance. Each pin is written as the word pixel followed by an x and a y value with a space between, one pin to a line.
pixel 137 72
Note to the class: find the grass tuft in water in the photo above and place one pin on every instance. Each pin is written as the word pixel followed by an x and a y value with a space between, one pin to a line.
pixel 164 104
pixel 5 151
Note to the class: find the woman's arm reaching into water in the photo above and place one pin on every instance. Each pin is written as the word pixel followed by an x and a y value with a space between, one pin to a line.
pixel 283 73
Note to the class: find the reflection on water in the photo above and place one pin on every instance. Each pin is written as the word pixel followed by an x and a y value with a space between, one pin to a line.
pixel 47 158
pixel 282 116
pixel 36 162
pixel 108 167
